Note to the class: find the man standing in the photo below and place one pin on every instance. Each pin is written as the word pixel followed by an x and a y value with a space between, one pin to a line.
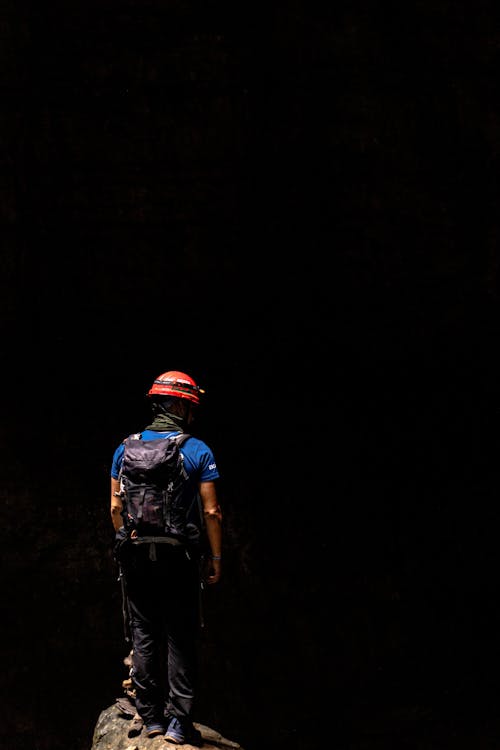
pixel 162 586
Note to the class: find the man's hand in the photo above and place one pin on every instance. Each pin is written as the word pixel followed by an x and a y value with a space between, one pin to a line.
pixel 213 570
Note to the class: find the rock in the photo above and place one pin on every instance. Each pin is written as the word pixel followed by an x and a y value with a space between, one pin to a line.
pixel 112 733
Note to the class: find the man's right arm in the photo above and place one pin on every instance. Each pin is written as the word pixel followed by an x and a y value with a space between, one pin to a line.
pixel 213 524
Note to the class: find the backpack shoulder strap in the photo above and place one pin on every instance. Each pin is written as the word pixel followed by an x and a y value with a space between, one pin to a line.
pixel 133 436
pixel 181 439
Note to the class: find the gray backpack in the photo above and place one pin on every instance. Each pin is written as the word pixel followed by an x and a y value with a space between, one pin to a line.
pixel 159 500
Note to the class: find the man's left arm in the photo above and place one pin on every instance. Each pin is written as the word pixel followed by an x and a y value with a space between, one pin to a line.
pixel 116 505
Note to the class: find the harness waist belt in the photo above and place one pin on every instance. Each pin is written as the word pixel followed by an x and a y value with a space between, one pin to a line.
pixel 157 540
pixel 154 540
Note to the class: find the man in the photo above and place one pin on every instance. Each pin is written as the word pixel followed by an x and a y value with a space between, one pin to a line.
pixel 163 589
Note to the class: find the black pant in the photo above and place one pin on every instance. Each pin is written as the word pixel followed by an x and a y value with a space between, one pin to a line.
pixel 163 601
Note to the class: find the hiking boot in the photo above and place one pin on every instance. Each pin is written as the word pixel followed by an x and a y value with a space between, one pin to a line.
pixel 182 732
pixel 152 730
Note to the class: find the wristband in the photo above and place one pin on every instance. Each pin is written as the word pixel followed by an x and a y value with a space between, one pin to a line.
pixel 216 557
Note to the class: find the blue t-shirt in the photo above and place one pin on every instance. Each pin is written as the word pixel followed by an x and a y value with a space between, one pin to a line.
pixel 199 460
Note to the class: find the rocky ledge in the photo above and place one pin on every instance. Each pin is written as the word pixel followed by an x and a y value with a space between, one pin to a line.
pixel 114 728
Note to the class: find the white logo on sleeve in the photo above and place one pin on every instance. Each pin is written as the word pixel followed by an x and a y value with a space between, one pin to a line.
pixel 212 467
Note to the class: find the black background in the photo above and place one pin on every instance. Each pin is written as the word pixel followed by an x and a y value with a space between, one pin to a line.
pixel 297 205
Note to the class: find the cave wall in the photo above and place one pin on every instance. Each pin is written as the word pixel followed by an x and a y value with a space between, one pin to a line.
pixel 297 206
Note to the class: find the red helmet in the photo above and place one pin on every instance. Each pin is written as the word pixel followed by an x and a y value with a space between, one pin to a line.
pixel 178 384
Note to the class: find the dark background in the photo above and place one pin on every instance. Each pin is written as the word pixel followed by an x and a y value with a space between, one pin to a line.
pixel 297 205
